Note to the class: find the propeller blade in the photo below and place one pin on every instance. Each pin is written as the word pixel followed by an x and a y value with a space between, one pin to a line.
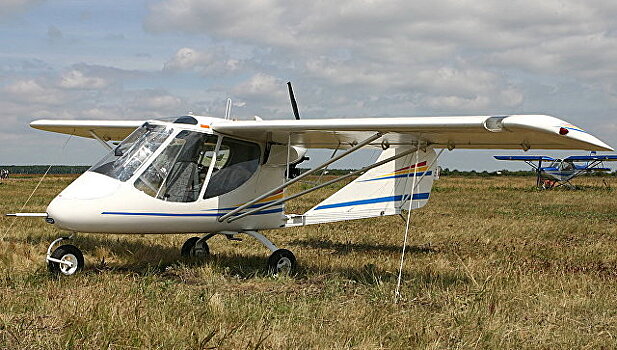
pixel 294 105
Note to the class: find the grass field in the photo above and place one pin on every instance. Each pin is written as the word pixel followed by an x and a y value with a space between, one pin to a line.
pixel 491 264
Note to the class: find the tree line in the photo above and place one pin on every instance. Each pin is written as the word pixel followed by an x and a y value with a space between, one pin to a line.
pixel 79 169
pixel 41 169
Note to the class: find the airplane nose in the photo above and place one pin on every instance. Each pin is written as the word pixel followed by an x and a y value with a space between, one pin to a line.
pixel 62 212
pixel 76 207
pixel 73 214
pixel 90 185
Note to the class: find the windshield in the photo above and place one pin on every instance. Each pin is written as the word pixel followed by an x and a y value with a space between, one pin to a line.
pixel 124 160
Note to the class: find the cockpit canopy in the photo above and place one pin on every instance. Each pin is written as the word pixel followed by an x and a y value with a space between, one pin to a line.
pixel 177 165
pixel 563 165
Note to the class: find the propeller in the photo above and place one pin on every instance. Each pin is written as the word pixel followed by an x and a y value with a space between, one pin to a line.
pixel 292 168
pixel 294 105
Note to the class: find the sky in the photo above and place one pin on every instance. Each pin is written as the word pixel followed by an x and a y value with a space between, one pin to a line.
pixel 137 60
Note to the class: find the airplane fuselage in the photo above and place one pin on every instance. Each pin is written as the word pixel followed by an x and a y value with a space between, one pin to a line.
pixel 563 170
pixel 171 178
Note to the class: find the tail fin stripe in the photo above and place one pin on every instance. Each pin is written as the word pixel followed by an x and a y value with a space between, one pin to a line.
pixel 416 196
pixel 396 176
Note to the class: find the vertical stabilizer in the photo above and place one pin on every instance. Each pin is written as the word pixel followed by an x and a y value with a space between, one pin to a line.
pixel 383 190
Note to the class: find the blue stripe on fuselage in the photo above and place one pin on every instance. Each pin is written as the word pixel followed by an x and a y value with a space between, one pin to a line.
pixel 262 212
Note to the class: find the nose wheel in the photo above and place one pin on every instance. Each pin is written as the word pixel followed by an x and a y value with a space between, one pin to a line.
pixel 66 259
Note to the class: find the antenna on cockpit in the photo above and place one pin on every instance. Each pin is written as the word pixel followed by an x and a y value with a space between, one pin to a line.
pixel 228 109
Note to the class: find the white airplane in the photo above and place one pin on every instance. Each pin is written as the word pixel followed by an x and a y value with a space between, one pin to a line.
pixel 209 176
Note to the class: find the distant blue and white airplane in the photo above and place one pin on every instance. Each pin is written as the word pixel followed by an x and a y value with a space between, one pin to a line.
pixel 559 172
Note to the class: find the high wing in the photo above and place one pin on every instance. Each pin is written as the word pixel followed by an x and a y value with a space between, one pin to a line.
pixel 526 158
pixel 597 158
pixel 479 132
pixel 107 130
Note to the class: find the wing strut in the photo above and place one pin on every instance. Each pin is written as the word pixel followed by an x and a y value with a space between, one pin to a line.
pixel 538 173
pixel 283 200
pixel 96 137
pixel 301 176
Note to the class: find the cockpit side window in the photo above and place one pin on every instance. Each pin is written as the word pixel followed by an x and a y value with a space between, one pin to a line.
pixel 178 173
pixel 124 160
pixel 236 162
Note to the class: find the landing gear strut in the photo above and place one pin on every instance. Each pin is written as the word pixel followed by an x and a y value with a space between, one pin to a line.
pixel 281 261
pixel 67 259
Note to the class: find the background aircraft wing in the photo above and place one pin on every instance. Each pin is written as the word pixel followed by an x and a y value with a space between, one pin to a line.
pixel 108 130
pixel 526 158
pixel 602 158
pixel 480 132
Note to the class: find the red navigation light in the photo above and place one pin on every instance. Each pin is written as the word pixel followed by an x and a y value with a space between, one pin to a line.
pixel 563 131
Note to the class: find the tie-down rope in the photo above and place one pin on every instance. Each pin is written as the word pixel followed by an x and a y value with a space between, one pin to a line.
pixel 397 293
pixel 36 188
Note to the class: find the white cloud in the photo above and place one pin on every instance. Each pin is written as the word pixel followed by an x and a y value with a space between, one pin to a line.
pixel 257 18
pixel 155 103
pixel 34 92
pixel 552 36
pixel 444 52
pixel 75 79
pixel 589 56
pixel 212 62
pixel 261 86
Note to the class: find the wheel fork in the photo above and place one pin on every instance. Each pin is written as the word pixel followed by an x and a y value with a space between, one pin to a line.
pixel 48 257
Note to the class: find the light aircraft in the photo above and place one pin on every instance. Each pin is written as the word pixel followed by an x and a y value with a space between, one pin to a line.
pixel 559 172
pixel 217 176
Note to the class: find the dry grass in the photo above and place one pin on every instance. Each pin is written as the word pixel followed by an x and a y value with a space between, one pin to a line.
pixel 491 264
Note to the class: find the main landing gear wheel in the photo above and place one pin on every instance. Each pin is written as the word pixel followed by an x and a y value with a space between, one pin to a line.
pixel 195 247
pixel 282 261
pixel 69 260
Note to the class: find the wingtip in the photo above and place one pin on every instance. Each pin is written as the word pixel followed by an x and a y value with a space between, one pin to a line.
pixel 601 146
pixel 38 123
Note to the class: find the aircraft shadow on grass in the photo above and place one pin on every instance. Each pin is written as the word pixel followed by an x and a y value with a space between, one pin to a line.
pixel 249 266
pixel 348 247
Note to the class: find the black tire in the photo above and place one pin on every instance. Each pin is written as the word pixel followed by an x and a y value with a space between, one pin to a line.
pixel 281 261
pixel 191 250
pixel 66 252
